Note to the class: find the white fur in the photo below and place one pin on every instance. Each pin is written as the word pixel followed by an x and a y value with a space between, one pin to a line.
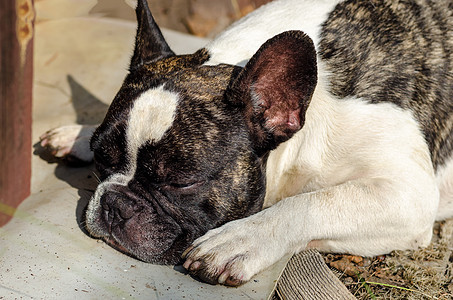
pixel 71 140
pixel 151 116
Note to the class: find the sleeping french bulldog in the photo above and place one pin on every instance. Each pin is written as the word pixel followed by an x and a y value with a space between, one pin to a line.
pixel 307 124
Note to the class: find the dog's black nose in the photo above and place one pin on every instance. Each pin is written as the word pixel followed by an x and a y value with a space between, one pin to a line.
pixel 117 208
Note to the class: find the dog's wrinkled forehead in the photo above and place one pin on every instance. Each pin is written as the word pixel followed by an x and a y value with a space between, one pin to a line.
pixel 155 95
pixel 190 94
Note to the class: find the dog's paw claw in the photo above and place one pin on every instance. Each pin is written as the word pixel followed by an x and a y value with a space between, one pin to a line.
pixel 213 275
pixel 195 266
pixel 233 281
pixel 223 277
pixel 227 279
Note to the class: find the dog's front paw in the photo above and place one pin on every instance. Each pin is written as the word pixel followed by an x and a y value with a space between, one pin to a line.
pixel 231 254
pixel 70 143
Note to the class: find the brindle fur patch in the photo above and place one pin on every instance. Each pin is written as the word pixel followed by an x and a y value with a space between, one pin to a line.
pixel 399 52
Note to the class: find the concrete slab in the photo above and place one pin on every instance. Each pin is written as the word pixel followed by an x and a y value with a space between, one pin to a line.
pixel 44 251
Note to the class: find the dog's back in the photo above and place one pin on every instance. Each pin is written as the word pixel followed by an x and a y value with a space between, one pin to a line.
pixel 400 52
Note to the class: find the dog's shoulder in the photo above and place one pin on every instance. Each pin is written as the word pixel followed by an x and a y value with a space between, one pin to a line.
pixel 345 139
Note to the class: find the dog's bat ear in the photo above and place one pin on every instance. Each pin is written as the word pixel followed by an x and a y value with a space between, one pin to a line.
pixel 150 44
pixel 275 88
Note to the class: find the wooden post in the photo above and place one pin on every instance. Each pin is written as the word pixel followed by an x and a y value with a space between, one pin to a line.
pixel 16 71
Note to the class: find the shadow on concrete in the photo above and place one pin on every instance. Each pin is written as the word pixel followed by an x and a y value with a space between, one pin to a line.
pixel 89 110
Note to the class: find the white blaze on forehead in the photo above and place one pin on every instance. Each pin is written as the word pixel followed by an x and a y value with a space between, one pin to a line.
pixel 151 116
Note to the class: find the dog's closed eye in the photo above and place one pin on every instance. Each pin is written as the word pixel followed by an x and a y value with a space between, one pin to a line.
pixel 182 187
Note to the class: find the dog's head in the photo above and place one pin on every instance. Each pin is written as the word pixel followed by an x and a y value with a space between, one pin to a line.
pixel 183 146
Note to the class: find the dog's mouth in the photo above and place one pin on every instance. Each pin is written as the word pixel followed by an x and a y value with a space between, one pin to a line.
pixel 117 246
pixel 140 229
pixel 161 243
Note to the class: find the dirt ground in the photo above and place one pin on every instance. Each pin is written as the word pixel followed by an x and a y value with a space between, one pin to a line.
pixel 421 274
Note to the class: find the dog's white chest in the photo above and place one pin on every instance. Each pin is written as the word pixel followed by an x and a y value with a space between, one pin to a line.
pixel 343 140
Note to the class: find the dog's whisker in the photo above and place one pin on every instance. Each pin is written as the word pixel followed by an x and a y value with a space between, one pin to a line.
pixel 96 177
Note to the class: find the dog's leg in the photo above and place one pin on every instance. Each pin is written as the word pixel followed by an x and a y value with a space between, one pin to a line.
pixel 71 143
pixel 365 217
